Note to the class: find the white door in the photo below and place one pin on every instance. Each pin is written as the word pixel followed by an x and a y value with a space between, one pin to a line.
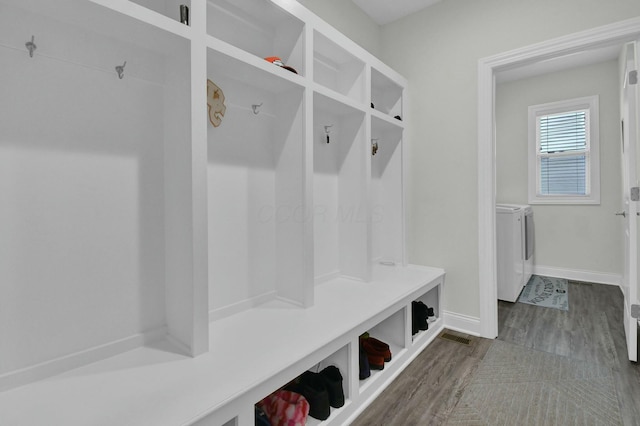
pixel 629 126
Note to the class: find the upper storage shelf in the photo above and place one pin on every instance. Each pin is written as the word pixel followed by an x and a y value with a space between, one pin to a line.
pixel 337 69
pixel 258 27
pixel 386 95
pixel 168 8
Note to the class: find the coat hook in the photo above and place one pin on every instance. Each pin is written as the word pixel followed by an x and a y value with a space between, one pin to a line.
pixel 256 108
pixel 31 46
pixel 374 146
pixel 120 70
pixel 327 131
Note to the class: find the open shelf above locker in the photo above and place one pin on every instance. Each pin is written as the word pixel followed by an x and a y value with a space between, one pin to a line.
pixel 386 95
pixel 337 69
pixel 260 28
pixel 169 8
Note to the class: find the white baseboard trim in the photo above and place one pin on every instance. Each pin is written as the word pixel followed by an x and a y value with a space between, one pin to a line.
pixel 578 275
pixel 65 363
pixel 462 323
pixel 225 311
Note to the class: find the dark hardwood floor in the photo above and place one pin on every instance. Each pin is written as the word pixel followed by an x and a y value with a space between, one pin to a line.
pixel 592 330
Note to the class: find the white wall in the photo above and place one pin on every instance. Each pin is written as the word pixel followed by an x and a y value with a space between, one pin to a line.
pixel 586 237
pixel 350 20
pixel 438 49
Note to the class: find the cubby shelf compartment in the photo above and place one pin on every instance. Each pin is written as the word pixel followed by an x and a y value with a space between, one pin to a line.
pixel 337 69
pixel 387 192
pixel 433 299
pixel 84 192
pixel 340 205
pixel 391 331
pixel 386 94
pixel 259 27
pixel 341 359
pixel 255 190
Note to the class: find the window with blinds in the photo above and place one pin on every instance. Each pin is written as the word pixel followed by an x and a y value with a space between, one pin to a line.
pixel 563 152
pixel 562 142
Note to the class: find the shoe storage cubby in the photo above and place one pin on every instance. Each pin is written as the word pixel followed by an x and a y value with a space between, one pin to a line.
pixel 325 385
pixel 169 264
pixel 340 205
pixel 258 27
pixel 431 299
pixel 391 331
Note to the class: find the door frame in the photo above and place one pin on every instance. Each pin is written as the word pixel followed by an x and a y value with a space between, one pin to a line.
pixel 615 33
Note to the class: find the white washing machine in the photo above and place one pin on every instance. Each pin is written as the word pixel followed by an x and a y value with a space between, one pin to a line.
pixel 515 247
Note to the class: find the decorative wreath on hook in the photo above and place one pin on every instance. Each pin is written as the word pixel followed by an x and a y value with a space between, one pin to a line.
pixel 215 102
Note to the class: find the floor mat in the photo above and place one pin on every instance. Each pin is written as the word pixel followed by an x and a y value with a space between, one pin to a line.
pixel 518 386
pixel 548 292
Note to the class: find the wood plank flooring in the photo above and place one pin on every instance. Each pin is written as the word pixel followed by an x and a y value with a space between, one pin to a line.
pixel 431 386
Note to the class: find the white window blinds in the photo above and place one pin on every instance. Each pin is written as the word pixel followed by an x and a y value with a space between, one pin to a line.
pixel 563 153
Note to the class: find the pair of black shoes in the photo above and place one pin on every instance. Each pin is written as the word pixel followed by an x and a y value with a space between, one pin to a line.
pixel 420 314
pixel 322 390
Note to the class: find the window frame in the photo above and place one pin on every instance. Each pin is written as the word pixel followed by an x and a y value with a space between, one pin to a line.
pixel 592 174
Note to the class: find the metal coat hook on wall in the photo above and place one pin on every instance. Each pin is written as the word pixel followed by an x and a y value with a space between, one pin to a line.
pixel 120 70
pixel 327 131
pixel 256 108
pixel 31 46
pixel 374 146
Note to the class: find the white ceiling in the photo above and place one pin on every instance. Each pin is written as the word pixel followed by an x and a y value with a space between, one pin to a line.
pixel 385 11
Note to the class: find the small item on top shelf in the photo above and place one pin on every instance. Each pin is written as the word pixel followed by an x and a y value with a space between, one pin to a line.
pixel 397 117
pixel 215 102
pixel 372 105
pixel 184 14
pixel 277 61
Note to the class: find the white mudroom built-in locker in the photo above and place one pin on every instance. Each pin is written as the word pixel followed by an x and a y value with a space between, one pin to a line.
pixel 184 186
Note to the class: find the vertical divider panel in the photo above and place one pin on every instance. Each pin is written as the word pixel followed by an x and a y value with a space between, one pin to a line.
pixel 289 197
pixel 309 215
pixel 352 205
pixel 186 226
pixel 366 155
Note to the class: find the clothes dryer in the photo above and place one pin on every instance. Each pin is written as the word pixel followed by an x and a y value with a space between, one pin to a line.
pixel 509 246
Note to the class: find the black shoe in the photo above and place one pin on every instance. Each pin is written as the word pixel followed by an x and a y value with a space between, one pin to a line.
pixel 333 382
pixel 419 316
pixel 313 388
pixel 365 369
